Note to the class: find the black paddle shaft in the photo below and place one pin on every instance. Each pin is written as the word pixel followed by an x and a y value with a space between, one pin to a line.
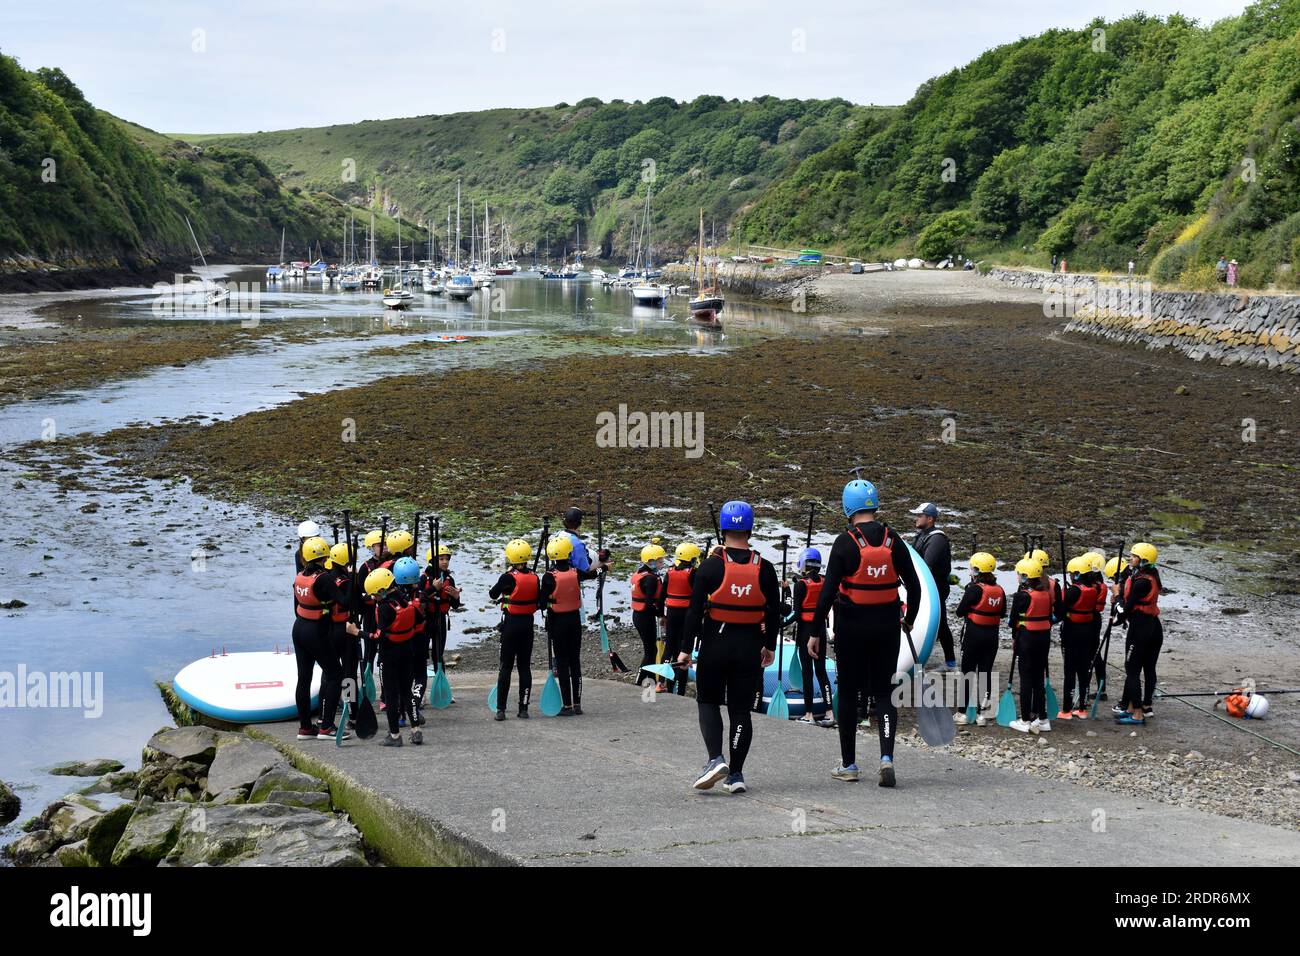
pixel 812 514
pixel 780 634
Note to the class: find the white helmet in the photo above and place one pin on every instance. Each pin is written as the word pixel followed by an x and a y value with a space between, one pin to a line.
pixel 308 529
pixel 1257 707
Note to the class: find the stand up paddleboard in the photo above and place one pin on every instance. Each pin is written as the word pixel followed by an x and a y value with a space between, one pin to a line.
pixel 249 688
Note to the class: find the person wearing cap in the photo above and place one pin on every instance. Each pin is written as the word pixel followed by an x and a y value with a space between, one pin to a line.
pixel 803 602
pixel 933 546
pixel 983 605
pixel 735 616
pixel 307 529
pixel 868 563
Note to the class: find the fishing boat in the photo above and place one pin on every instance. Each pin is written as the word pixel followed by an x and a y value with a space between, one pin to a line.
pixel 460 286
pixel 708 302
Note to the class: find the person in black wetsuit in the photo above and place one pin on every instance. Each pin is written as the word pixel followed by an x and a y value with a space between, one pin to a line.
pixel 397 615
pixel 679 583
pixel 441 596
pixel 519 590
pixel 983 604
pixel 562 596
pixel 647 609
pixel 867 565
pixel 932 544
pixel 313 596
pixel 342 645
pixel 803 600
pixel 735 613
pixel 1032 610
pixel 1139 602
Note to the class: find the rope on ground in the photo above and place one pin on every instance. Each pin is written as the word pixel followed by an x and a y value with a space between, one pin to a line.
pixel 1205 577
pixel 1230 723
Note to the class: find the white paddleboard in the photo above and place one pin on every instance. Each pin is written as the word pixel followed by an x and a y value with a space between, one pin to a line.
pixel 248 688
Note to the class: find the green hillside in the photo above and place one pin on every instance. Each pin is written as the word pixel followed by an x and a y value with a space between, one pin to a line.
pixel 119 192
pixel 1157 140
pixel 544 170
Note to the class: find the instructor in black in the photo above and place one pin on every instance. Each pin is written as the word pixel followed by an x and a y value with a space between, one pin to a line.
pixel 935 549
pixel 868 563
pixel 735 614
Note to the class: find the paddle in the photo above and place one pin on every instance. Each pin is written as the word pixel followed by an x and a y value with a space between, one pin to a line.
pixel 552 700
pixel 933 719
pixel 1103 649
pixel 972 710
pixel 367 724
pixel 1007 704
pixel 615 662
pixel 779 707
pixel 440 692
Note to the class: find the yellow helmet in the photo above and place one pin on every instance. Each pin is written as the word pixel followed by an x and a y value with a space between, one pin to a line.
pixel 442 549
pixel 399 541
pixel 652 552
pixel 1077 566
pixel 378 581
pixel 313 549
pixel 518 551
pixel 1094 560
pixel 373 538
pixel 559 548
pixel 1112 567
pixel 687 551
pixel 340 555
pixel 1039 555
pixel 983 562
pixel 1029 567
pixel 1147 552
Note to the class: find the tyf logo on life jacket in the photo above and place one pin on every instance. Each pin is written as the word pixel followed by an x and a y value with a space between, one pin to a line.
pixel 876 570
pixel 739 591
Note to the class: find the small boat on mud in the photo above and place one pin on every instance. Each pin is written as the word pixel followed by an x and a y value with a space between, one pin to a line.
pixel 459 286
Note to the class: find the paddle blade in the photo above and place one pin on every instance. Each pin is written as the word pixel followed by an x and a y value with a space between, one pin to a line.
pixel 367 722
pixel 1006 708
pixel 936 725
pixel 1053 704
pixel 661 670
pixel 371 694
pixel 492 699
pixel 604 636
pixel 778 707
pixel 971 713
pixel 1096 699
pixel 552 700
pixel 343 723
pixel 440 693
pixel 796 672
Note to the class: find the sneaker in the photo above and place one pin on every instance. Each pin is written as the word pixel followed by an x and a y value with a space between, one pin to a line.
pixel 661 688
pixel 1148 710
pixel 577 710
pixel 981 720
pixel 565 712
pixel 501 715
pixel 417 737
pixel 735 783
pixel 1020 726
pixel 959 718
pixel 886 773
pixel 950 665
pixel 1137 721
pixel 865 723
pixel 715 770
pixel 806 718
pixel 308 733
pixel 523 711
pixel 382 707
pixel 328 733
pixel 851 773
pixel 391 741
pixel 401 721
pixel 1119 711
pixel 1065 714
pixel 1080 714
pixel 1044 726
pixel 826 721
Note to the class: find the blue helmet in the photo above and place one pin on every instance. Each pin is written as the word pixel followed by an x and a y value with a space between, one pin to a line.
pixel 808 556
pixel 736 516
pixel 860 495
pixel 406 571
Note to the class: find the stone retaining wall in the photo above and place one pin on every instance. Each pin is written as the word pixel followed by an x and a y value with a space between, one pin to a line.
pixel 1229 328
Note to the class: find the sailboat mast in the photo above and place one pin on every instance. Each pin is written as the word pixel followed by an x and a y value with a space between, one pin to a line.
pixel 196 242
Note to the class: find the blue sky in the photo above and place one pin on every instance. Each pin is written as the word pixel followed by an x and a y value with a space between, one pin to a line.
pixel 282 63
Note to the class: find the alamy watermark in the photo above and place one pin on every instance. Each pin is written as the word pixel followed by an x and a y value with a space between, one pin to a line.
pixel 54 690
pixel 1127 299
pixel 626 429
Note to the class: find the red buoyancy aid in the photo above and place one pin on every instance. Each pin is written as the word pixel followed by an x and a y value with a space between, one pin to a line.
pixel 639 600
pixel 988 609
pixel 567 596
pixel 1150 604
pixel 679 588
pixel 738 599
pixel 523 600
pixel 812 591
pixel 1039 616
pixel 338 612
pixel 403 625
pixel 305 603
pixel 1092 597
pixel 875 582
